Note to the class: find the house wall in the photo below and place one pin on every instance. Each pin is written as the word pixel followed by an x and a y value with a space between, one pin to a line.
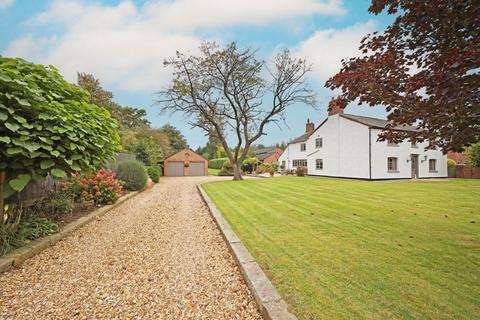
pixel 344 151
pixel 381 151
pixel 292 152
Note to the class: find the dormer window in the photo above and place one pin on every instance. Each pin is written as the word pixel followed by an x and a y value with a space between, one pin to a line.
pixel 303 146
pixel 318 143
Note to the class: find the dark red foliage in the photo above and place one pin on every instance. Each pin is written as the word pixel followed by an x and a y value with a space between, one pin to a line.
pixel 425 69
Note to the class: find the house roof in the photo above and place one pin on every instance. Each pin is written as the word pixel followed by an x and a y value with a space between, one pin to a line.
pixel 376 123
pixel 368 121
pixel 261 154
pixel 185 154
pixel 302 138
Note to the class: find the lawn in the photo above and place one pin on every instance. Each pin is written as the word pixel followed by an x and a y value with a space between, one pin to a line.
pixel 213 172
pixel 347 249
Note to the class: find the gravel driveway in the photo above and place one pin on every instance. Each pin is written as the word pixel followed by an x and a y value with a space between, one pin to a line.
pixel 156 256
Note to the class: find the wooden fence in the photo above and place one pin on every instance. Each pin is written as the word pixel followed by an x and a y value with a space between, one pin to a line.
pixel 34 190
pixel 464 171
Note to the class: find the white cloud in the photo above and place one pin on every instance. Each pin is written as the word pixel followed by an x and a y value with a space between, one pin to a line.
pixel 4 4
pixel 326 48
pixel 125 45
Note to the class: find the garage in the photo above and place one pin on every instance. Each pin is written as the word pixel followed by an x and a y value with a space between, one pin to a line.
pixel 175 168
pixel 197 168
pixel 185 163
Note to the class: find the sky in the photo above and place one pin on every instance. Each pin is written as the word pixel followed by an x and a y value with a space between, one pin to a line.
pixel 124 44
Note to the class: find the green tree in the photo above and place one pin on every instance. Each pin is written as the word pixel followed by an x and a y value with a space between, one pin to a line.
pixel 127 116
pixel 175 137
pixel 48 126
pixel 473 154
pixel 211 149
pixel 158 136
pixel 147 151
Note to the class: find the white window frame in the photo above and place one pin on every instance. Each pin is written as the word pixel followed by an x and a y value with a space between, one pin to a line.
pixel 299 163
pixel 393 166
pixel 318 143
pixel 303 146
pixel 319 164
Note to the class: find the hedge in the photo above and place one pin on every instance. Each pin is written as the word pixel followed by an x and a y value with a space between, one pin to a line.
pixel 216 163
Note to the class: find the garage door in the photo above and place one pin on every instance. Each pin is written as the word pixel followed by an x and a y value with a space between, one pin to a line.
pixel 197 168
pixel 175 169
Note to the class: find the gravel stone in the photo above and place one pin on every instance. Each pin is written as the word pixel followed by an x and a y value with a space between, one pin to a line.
pixel 156 256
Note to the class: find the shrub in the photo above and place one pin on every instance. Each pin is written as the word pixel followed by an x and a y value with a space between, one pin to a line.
pixel 249 164
pixel 32 228
pixel 473 154
pixel 100 187
pixel 451 163
pixel 133 174
pixel 154 173
pixel 301 171
pixel 271 168
pixel 260 170
pixel 55 204
pixel 8 226
pixel 16 231
pixel 227 169
pixel 216 163
pixel 48 126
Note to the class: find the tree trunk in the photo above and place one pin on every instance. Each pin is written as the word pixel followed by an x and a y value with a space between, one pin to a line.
pixel 237 173
pixel 2 181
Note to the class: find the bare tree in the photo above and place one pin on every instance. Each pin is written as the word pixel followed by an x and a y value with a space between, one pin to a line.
pixel 223 91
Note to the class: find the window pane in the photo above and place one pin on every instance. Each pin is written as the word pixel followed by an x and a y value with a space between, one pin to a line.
pixel 392 164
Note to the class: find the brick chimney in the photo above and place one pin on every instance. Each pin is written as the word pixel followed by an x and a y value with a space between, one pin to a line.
pixel 336 106
pixel 309 127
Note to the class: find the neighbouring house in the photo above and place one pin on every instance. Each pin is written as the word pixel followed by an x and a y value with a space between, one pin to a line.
pixel 346 146
pixel 268 155
pixel 295 154
pixel 185 163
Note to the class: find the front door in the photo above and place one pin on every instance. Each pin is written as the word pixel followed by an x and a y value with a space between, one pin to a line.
pixel 414 161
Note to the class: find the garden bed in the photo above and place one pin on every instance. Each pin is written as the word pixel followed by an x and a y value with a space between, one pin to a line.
pixel 19 255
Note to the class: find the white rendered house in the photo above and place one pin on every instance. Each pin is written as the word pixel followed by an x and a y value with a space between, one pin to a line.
pixel 346 146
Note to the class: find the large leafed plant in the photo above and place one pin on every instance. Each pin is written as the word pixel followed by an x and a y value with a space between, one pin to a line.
pixel 47 126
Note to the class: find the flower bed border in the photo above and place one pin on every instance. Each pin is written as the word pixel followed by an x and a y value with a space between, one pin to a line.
pixel 18 256
pixel 271 304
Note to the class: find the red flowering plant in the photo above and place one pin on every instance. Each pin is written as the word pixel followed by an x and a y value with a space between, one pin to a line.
pixel 101 187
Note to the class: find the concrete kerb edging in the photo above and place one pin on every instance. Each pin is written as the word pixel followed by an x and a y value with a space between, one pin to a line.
pixel 271 304
pixel 18 256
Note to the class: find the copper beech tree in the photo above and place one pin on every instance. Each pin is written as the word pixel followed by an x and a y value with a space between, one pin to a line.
pixel 424 68
pixel 224 92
